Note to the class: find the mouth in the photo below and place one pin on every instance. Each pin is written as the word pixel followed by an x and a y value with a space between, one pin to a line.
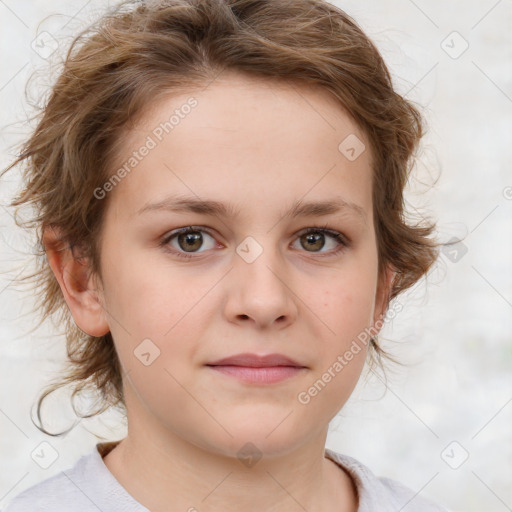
pixel 255 369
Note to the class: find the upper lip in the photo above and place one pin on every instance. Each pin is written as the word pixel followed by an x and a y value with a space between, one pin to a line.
pixel 256 361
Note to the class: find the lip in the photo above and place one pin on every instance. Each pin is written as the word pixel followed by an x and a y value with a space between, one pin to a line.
pixel 256 361
pixel 255 369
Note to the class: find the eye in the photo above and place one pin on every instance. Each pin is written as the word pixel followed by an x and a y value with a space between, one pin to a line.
pixel 187 239
pixel 185 242
pixel 314 238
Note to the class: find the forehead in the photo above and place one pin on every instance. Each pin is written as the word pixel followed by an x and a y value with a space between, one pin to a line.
pixel 243 135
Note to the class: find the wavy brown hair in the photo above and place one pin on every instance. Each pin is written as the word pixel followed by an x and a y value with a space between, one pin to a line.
pixel 138 52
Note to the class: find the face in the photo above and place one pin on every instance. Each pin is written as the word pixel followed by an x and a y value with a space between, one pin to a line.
pixel 184 286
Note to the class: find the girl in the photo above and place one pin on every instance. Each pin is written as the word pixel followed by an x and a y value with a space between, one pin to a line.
pixel 219 188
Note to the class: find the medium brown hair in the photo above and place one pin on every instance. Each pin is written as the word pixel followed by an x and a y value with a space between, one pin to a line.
pixel 141 50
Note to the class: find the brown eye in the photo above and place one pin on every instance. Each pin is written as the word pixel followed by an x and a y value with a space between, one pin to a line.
pixel 190 241
pixel 313 241
pixel 187 240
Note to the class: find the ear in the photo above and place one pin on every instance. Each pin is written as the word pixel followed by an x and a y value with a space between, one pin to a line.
pixel 382 297
pixel 77 284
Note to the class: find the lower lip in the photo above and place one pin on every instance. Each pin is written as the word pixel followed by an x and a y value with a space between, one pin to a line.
pixel 263 375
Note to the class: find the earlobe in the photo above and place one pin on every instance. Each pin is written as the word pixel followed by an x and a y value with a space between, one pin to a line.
pixel 77 284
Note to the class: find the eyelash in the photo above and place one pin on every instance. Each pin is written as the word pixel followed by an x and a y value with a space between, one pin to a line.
pixel 325 230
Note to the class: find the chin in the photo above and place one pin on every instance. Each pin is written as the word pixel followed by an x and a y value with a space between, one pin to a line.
pixel 261 438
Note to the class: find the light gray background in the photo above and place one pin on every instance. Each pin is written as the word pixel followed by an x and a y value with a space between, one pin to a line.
pixel 454 332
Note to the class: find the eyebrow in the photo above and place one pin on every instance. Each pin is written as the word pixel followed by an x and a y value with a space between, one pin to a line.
pixel 179 204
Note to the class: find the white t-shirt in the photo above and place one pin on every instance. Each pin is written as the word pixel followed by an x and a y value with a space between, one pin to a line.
pixel 89 486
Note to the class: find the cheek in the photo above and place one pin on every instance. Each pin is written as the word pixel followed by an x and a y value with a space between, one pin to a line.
pixel 144 298
pixel 340 353
pixel 349 317
pixel 154 315
pixel 347 303
pixel 351 310
pixel 346 308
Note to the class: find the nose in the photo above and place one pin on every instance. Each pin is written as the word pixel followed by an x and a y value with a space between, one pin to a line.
pixel 261 292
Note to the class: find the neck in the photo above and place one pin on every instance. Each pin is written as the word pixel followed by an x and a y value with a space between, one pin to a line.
pixel 173 471
pixel 178 476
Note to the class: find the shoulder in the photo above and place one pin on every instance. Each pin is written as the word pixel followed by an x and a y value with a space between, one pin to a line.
pixel 380 493
pixel 79 487
pixel 56 493
pixel 59 493
pixel 88 486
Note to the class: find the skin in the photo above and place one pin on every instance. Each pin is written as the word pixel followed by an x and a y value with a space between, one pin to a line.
pixel 259 146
